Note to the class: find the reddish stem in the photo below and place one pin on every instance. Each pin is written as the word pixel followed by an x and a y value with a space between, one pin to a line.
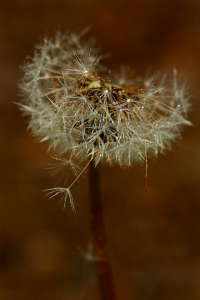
pixel 99 238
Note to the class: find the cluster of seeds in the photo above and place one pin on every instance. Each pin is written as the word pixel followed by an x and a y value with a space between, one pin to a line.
pixel 74 105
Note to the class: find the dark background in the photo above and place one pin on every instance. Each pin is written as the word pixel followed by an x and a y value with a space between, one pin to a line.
pixel 154 237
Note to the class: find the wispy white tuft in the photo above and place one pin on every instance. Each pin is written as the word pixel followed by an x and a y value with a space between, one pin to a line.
pixel 66 193
pixel 64 165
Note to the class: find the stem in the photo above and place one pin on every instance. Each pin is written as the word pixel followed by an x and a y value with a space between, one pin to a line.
pixel 99 238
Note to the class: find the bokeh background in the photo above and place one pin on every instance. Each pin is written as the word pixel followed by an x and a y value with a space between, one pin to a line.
pixel 154 237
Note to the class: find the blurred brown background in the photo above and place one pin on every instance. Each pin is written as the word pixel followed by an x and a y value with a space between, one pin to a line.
pixel 154 237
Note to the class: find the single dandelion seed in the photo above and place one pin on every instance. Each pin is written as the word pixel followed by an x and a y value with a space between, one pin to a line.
pixel 64 165
pixel 66 193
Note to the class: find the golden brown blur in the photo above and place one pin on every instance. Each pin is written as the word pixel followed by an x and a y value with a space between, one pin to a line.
pixel 154 237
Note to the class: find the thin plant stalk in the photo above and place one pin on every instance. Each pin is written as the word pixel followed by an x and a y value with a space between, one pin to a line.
pixel 99 237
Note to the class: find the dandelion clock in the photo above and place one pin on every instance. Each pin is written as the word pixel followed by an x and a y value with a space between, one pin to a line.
pixel 84 115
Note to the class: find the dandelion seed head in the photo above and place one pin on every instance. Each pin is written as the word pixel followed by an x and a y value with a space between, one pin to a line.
pixel 78 111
